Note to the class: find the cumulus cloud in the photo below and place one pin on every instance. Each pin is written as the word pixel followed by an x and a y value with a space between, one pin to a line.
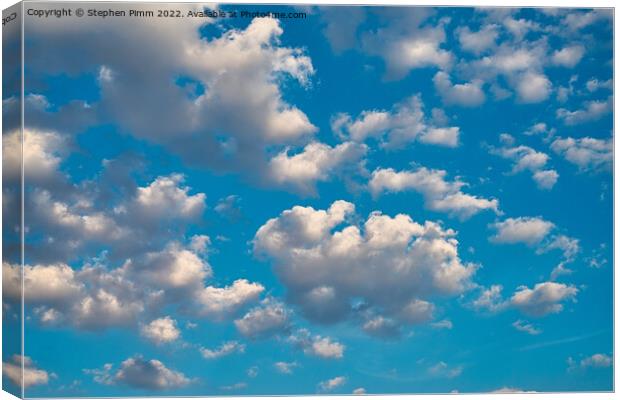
pixel 405 43
pixel 439 194
pixel 528 230
pixel 226 67
pixel 478 42
pixel 161 330
pixel 533 87
pixel 490 299
pixel 389 264
pixel 594 84
pixel 589 154
pixel 221 303
pixel 463 94
pixel 525 158
pixel 140 373
pixel 405 123
pixel 568 56
pixel 30 375
pixel 331 384
pixel 268 319
pixel 223 350
pixel 518 63
pixel 164 198
pixel 317 162
pixel 545 298
pixel 322 347
pixel 42 155
pixel 592 110
pixel 96 297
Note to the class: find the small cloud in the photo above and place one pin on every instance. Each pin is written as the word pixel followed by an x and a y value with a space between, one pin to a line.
pixel 524 326
pixel 285 367
pixel 331 384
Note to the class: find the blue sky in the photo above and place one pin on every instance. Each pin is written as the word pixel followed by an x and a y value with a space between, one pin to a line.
pixel 365 200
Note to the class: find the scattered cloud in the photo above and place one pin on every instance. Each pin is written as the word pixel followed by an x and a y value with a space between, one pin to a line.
pixel 528 230
pixel 162 330
pixel 405 123
pixel 592 111
pixel 285 367
pixel 524 326
pixel 268 319
pixel 439 194
pixel 325 269
pixel 331 384
pixel 30 375
pixel 140 373
pixel 587 153
pixel 225 349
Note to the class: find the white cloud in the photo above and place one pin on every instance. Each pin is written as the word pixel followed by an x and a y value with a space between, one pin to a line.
pixel 140 373
pixel 42 151
pixel 406 42
pixel 443 324
pixel 271 318
pixel 285 367
pixel 540 128
pixel 161 330
pixel 533 87
pixel 528 230
pixel 225 349
pixel 164 197
pixel 546 179
pixel 317 162
pixel 545 298
pixel 97 297
pixel 589 154
pixel 439 194
pixel 579 19
pixel 388 263
pixel 235 386
pixel 569 246
pixel 524 326
pixel 507 389
pixel 519 28
pixel 592 111
pixel 594 84
pixel 30 374
pixel 490 299
pixel 447 137
pixel 252 372
pixel 228 67
pixel 596 361
pixel 331 384
pixel 442 369
pixel 525 158
pixel 221 303
pixel 480 41
pixel 404 123
pixel 359 391
pixel 568 56
pixel 322 347
pixel 463 94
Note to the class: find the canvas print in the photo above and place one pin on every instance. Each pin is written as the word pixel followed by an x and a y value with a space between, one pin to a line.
pixel 295 200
